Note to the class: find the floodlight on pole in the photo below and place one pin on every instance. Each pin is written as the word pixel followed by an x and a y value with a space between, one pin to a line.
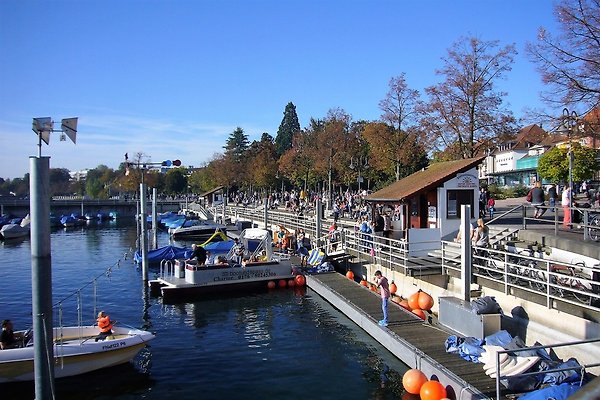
pixel 44 126
pixel 41 262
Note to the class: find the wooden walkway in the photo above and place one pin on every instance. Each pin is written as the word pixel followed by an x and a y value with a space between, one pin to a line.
pixel 418 344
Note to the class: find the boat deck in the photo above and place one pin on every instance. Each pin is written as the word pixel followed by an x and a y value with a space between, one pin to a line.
pixel 418 344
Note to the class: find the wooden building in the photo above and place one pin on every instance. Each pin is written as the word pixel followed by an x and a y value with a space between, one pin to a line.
pixel 426 204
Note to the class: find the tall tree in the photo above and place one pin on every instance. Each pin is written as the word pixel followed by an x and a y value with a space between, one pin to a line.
pixel 287 129
pixel 236 145
pixel 569 63
pixel 233 163
pixel 392 139
pixel 466 108
pixel 59 181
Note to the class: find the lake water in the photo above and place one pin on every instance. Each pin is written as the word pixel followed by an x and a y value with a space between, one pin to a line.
pixel 284 344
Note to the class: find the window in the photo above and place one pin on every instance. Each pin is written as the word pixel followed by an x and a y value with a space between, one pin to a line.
pixel 456 198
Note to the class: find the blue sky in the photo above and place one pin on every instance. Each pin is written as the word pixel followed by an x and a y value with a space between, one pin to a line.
pixel 173 79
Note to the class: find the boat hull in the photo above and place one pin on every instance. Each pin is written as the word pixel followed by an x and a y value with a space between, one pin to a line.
pixel 13 231
pixel 76 354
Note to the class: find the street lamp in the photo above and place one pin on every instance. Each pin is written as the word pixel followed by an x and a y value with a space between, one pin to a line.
pixel 359 163
pixel 570 120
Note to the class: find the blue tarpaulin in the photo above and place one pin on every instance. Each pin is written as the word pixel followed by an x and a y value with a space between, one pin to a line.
pixel 164 253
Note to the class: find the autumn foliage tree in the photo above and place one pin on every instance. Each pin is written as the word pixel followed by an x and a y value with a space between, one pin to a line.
pixel 553 165
pixel 466 107
pixel 263 159
pixel 569 62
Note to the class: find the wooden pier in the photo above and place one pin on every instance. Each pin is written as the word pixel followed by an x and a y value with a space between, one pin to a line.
pixel 416 343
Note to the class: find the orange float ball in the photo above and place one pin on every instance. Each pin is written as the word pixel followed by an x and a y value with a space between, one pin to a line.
pixel 404 304
pixel 412 380
pixel 300 280
pixel 291 283
pixel 271 285
pixel 425 301
pixel 413 301
pixel 350 275
pixel 432 390
pixel 282 283
pixel 393 288
pixel 374 288
pixel 364 283
pixel 420 313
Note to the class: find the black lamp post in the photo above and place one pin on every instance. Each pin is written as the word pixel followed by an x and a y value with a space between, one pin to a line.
pixel 359 163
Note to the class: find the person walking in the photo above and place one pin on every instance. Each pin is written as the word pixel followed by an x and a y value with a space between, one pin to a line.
pixel 382 283
pixel 552 196
pixel 566 206
pixel 491 206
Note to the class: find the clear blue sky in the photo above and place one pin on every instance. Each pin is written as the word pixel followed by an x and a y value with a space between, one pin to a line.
pixel 173 79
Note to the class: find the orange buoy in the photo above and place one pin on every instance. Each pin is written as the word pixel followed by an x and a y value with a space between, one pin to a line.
pixel 413 300
pixel 364 282
pixel 419 313
pixel 350 275
pixel 373 288
pixel 412 380
pixel 425 301
pixel 291 283
pixel 271 285
pixel 393 288
pixel 420 300
pixel 300 280
pixel 282 283
pixel 432 390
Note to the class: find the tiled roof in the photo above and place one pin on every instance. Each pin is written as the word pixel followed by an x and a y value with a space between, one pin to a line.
pixel 531 134
pixel 430 177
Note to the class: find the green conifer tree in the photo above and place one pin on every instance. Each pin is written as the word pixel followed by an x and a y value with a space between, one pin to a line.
pixel 288 127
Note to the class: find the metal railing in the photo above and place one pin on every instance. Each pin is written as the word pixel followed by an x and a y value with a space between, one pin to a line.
pixel 590 220
pixel 573 283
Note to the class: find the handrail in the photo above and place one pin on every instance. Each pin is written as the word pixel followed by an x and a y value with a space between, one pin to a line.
pixel 504 214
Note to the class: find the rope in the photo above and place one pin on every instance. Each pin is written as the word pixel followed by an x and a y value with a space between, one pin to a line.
pixel 107 273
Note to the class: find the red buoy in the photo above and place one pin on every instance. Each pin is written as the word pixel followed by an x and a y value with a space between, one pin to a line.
pixel 300 280
pixel 412 380
pixel 350 275
pixel 271 285
pixel 420 313
pixel 432 390
pixel 291 283
pixel 393 288
pixel 364 283
pixel 282 283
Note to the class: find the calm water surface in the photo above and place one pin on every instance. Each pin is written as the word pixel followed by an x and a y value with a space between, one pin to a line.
pixel 283 344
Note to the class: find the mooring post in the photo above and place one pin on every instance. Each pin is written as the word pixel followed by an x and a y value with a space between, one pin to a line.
pixel 41 276
pixel 318 221
pixel 466 252
pixel 266 213
pixel 144 232
pixel 154 221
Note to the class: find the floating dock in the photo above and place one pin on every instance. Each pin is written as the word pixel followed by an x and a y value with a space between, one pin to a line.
pixel 416 343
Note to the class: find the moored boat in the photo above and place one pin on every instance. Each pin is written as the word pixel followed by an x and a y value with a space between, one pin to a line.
pixel 17 230
pixel 76 352
pixel 196 229
pixel 261 265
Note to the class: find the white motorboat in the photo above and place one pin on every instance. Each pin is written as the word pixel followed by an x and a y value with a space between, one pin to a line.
pixel 14 231
pixel 196 229
pixel 263 267
pixel 76 352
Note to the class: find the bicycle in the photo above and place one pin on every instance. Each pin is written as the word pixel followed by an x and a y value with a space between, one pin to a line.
pixel 565 281
pixel 490 264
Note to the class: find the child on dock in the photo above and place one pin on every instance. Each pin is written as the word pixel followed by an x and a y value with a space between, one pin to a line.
pixel 382 283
